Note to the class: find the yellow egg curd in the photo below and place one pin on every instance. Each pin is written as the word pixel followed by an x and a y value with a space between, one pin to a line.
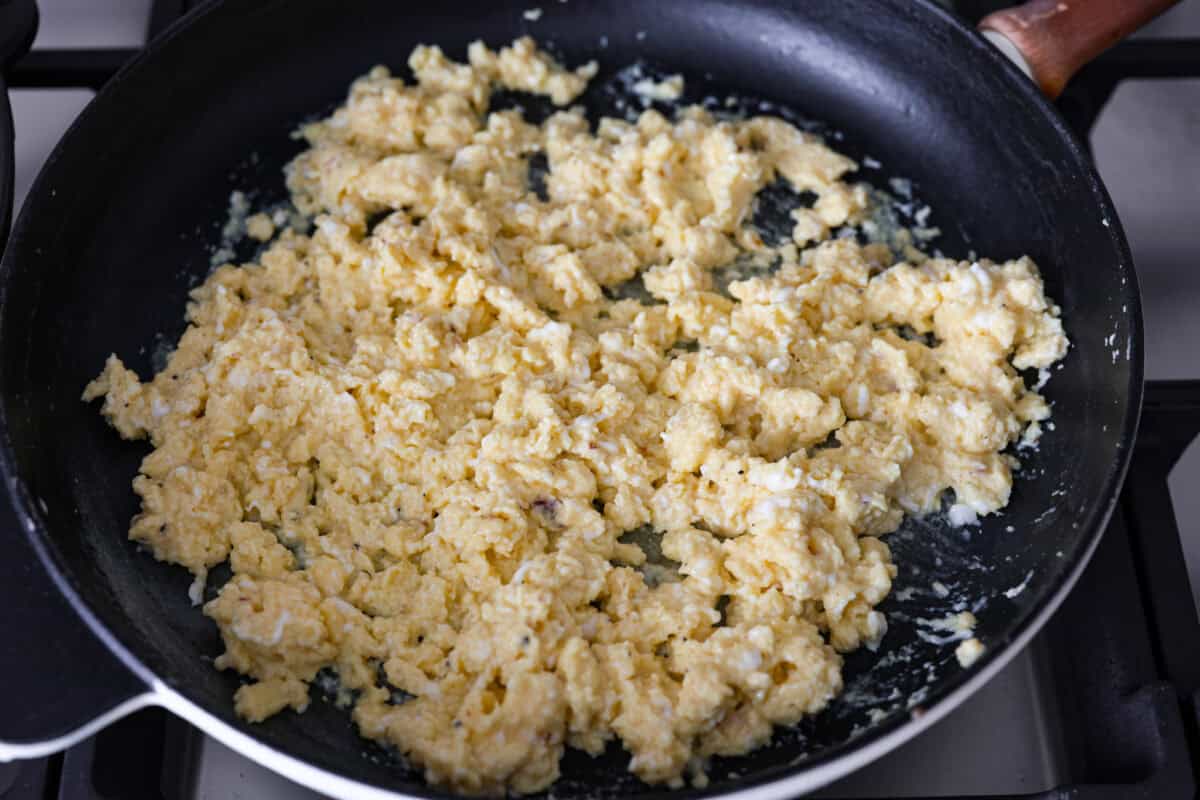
pixel 422 434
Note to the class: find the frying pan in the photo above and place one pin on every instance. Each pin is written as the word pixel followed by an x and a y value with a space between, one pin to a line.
pixel 117 228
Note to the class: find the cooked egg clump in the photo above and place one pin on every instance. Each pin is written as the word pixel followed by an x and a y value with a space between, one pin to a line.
pixel 422 433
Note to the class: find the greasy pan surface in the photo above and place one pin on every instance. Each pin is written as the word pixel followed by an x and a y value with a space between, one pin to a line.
pixel 117 227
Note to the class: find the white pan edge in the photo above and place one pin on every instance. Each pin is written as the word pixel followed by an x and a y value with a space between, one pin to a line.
pixel 15 752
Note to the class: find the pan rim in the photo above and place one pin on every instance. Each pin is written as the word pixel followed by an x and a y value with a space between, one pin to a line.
pixel 774 782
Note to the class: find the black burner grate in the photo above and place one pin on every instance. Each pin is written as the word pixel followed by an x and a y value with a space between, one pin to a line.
pixel 1125 647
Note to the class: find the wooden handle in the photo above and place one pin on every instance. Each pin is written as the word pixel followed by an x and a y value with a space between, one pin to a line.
pixel 1057 37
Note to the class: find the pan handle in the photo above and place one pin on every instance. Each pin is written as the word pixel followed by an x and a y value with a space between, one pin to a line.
pixel 1055 38
pixel 62 683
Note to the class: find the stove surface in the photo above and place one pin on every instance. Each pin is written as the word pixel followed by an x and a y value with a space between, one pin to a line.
pixel 1020 734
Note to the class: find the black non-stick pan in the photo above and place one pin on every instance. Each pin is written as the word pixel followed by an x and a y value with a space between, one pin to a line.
pixel 120 223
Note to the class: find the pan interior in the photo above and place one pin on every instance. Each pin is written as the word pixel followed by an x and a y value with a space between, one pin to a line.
pixel 122 222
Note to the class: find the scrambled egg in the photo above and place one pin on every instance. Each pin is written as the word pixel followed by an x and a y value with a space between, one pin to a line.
pixel 422 434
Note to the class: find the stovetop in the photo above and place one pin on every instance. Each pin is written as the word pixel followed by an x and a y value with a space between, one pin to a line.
pixel 1102 704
